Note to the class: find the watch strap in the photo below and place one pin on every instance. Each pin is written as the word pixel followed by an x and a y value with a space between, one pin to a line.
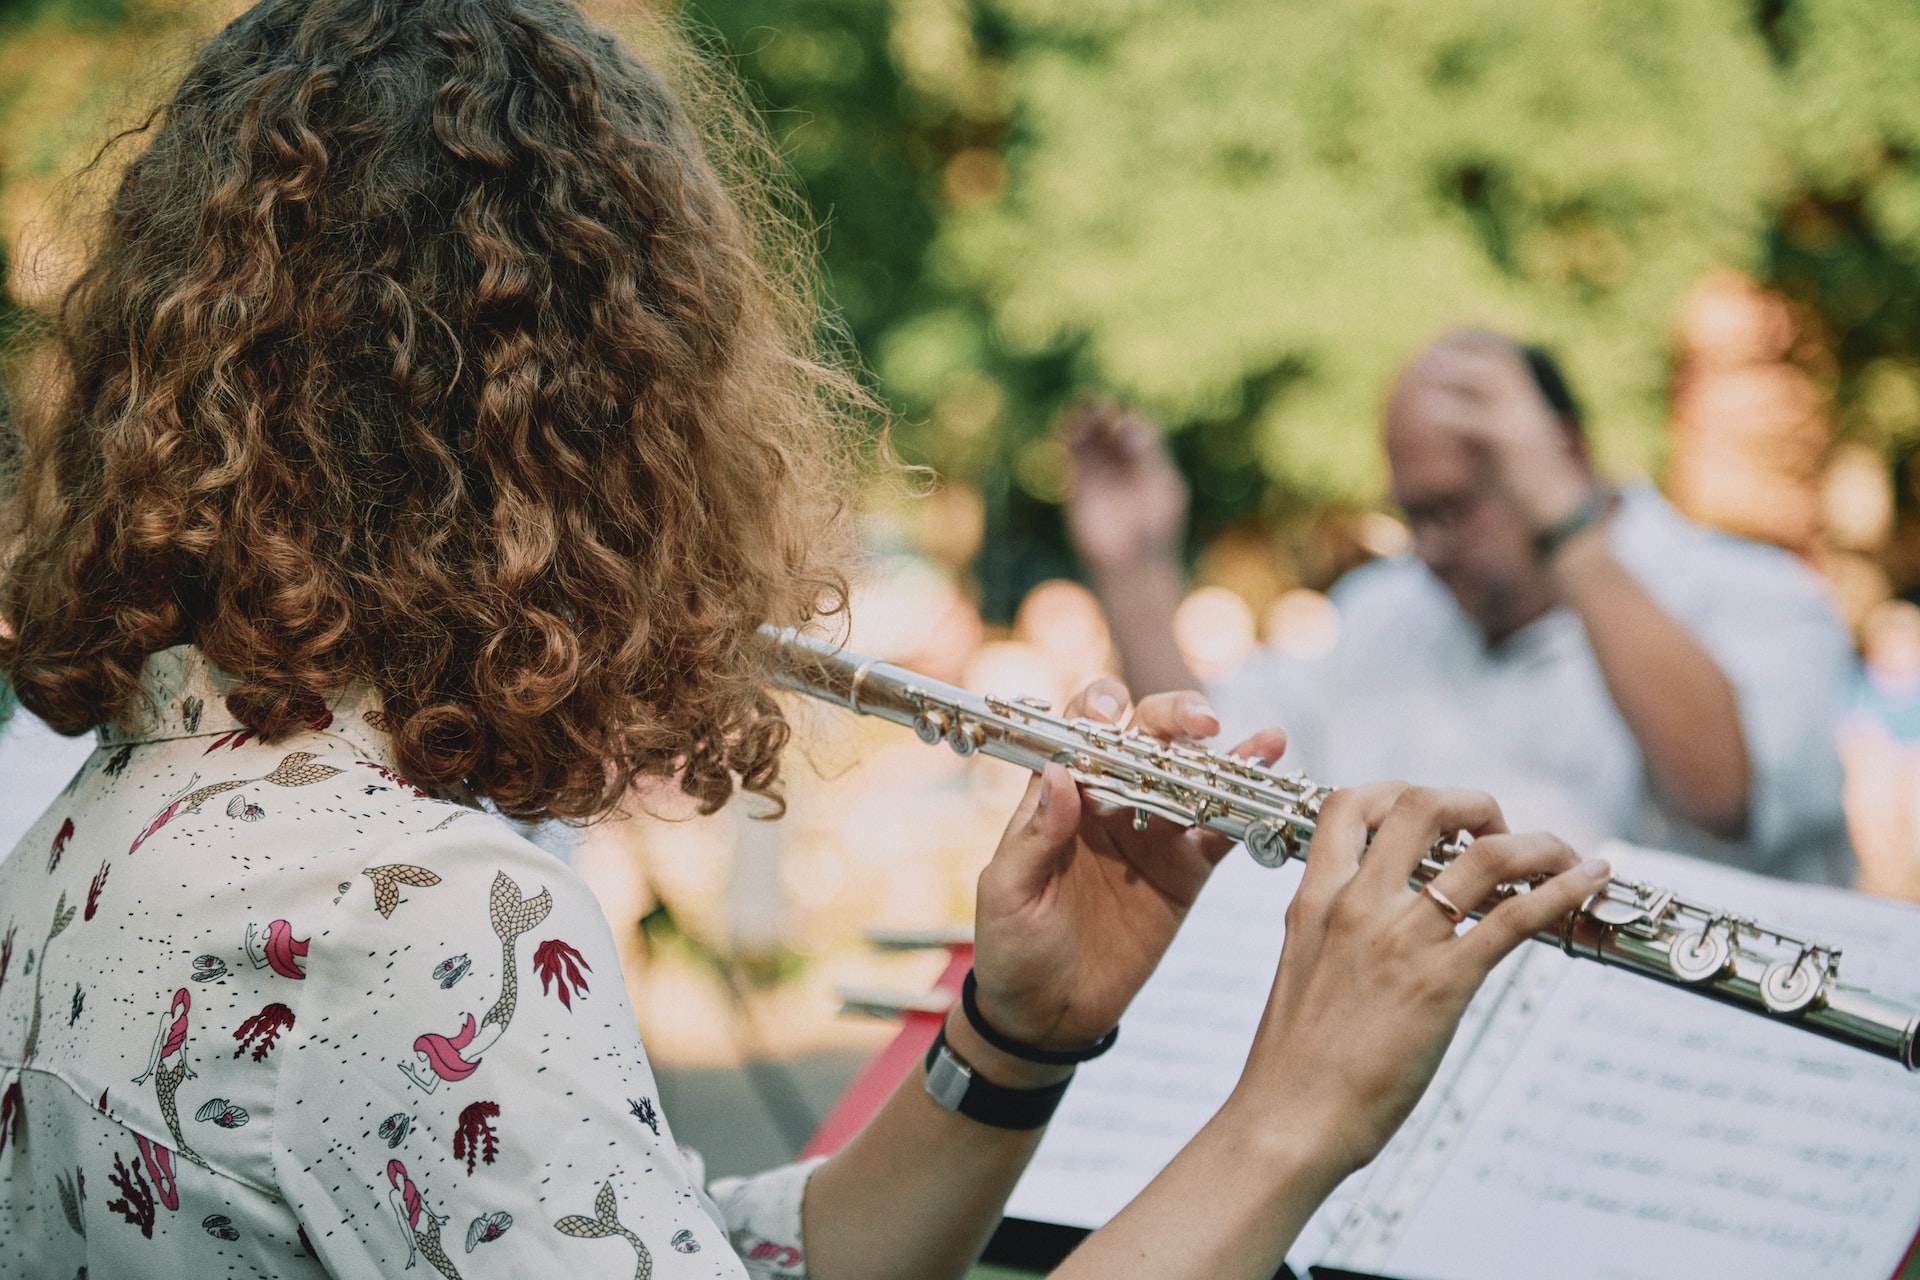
pixel 1592 510
pixel 959 1088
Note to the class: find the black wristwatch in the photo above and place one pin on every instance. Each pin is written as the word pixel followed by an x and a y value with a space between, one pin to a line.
pixel 955 1086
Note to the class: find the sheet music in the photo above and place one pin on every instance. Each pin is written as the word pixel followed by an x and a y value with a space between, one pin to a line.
pixel 1180 1052
pixel 1642 1131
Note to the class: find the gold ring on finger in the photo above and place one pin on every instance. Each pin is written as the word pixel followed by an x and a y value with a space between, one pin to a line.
pixel 1453 914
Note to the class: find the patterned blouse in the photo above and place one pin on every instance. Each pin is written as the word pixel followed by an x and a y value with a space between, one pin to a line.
pixel 271 1010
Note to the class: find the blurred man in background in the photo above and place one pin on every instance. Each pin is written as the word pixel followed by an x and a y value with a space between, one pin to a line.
pixel 1603 665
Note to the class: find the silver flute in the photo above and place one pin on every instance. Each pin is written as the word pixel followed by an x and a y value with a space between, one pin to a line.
pixel 1642 928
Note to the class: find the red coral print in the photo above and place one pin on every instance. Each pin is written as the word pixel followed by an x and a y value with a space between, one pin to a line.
pixel 282 947
pixel 230 739
pixel 394 778
pixel 13 1114
pixel 475 1136
pixel 60 844
pixel 136 1202
pixel 264 1026
pixel 320 720
pixel 159 1162
pixel 93 892
pixel 6 955
pixel 555 959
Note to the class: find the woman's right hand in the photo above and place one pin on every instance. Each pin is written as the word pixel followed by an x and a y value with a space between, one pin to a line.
pixel 1374 977
pixel 1372 982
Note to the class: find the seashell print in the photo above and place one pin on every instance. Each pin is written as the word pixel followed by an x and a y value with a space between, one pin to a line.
pixel 488 1227
pixel 683 1242
pixel 396 1127
pixel 209 968
pixel 451 970
pixel 220 1225
pixel 222 1113
pixel 244 809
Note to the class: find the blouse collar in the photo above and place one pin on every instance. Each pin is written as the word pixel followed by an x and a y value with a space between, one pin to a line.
pixel 186 697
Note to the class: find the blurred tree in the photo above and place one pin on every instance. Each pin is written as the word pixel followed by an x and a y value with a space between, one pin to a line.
pixel 1242 212
pixel 1846 240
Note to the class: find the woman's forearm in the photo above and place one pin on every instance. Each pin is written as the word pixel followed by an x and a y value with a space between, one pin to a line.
pixel 918 1191
pixel 1226 1208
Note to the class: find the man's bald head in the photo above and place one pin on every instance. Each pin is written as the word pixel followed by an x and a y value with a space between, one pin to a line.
pixel 1440 365
pixel 1435 424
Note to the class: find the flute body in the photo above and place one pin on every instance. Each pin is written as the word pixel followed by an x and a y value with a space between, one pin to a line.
pixel 1643 928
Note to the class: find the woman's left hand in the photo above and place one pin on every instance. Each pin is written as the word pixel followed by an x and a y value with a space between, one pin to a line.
pixel 1077 906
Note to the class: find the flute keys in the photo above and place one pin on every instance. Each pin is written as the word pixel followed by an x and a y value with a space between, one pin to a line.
pixel 1268 843
pixel 1700 956
pixel 966 737
pixel 1791 986
pixel 931 725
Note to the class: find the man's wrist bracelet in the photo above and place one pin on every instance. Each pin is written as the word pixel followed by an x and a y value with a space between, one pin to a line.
pixel 956 1087
pixel 970 1005
pixel 1592 510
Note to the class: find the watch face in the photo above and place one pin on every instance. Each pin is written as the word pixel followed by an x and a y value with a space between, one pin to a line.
pixel 948 1078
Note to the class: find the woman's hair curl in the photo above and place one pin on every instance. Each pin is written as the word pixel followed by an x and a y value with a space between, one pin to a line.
pixel 429 345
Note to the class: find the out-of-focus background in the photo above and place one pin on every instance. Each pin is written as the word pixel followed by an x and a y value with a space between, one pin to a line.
pixel 1241 215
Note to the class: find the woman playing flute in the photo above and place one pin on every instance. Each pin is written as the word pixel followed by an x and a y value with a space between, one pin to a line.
pixel 435 420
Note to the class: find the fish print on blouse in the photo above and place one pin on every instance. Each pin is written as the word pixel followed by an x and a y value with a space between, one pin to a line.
pixel 418 1222
pixel 167 1068
pixel 606 1222
pixel 388 879
pixel 457 1056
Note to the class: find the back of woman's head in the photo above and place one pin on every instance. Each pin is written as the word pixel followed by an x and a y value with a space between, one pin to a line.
pixel 424 347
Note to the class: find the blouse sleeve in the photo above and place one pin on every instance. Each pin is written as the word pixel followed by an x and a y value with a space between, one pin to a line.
pixel 467 1087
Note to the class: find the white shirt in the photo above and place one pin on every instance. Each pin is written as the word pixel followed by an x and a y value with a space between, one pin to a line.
pixel 1412 690
pixel 270 1010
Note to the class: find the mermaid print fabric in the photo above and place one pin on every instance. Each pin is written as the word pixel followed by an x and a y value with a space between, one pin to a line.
pixel 268 1009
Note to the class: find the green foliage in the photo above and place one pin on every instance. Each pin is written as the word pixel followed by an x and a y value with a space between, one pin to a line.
pixel 1246 213
pixel 94 12
pixel 834 100
pixel 1246 209
pixel 1846 243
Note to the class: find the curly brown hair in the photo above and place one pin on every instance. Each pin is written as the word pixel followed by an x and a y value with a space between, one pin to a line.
pixel 430 344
